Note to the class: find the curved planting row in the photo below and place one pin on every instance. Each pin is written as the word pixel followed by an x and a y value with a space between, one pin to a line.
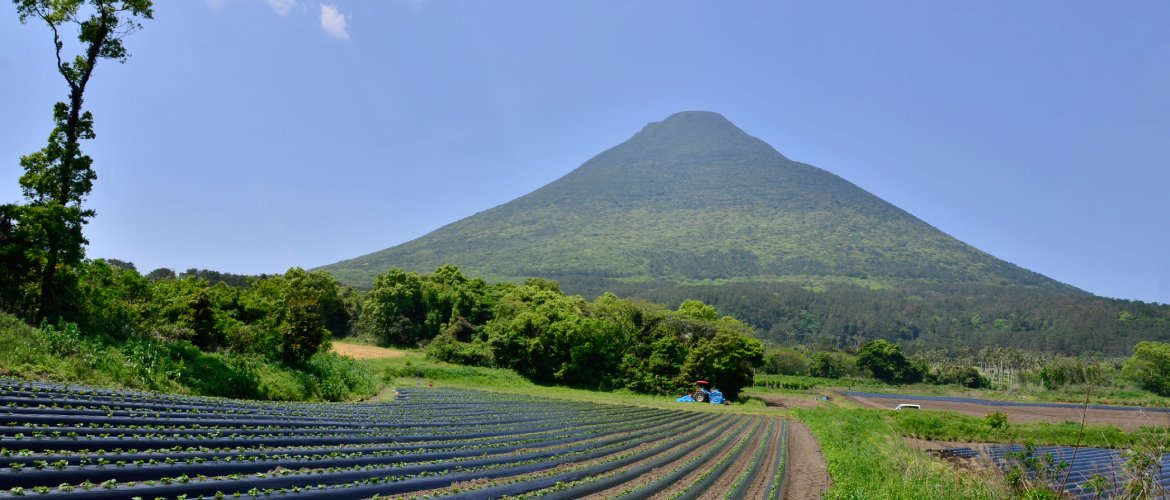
pixel 60 441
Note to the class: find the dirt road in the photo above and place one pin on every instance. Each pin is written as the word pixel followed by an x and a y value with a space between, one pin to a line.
pixel 1127 420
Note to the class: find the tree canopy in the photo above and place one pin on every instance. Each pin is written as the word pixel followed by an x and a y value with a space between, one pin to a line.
pixel 58 177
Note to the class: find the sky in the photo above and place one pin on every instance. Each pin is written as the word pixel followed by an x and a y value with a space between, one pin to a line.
pixel 251 136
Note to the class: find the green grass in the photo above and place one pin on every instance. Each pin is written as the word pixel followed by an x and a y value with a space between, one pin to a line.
pixel 415 369
pixel 1119 393
pixel 65 354
pixel 950 426
pixel 868 459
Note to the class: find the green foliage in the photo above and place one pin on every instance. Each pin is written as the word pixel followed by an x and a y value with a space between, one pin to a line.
pixel 338 378
pixel 1149 367
pixel 58 177
pixel 727 360
pixel 1070 371
pixel 407 309
pixel 786 361
pixel 412 367
pixel 996 420
pixel 697 310
pixel 448 349
pixel 918 315
pixel 547 337
pixel 257 341
pixel 953 374
pixel 17 260
pixel 832 364
pixel 653 345
pixel 868 459
pixel 302 332
pixel 1031 474
pixel 951 426
pixel 1141 470
pixel 887 363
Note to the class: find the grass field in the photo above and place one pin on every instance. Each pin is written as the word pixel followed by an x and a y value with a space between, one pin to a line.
pixel 412 368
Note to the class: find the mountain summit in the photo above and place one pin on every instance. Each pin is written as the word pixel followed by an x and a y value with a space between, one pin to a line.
pixel 694 198
pixel 691 134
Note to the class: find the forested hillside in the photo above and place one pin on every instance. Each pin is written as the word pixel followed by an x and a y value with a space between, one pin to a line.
pixel 694 208
pixel 695 198
pixel 922 317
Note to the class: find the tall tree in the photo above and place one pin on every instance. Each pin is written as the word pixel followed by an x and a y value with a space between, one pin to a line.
pixel 59 177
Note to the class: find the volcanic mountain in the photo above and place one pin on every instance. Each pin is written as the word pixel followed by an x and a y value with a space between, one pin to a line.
pixel 691 199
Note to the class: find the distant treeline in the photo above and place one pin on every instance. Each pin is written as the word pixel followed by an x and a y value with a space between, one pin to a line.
pixel 919 317
pixel 553 338
pixel 286 321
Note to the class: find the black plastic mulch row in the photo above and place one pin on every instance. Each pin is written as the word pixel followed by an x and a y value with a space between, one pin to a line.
pixel 412 474
pixel 177 453
pixel 28 477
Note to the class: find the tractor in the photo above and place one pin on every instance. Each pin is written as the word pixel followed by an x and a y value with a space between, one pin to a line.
pixel 703 394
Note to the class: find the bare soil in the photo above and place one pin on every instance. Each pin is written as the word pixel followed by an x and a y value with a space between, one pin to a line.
pixel 657 472
pixel 762 485
pixel 727 481
pixel 358 351
pixel 1122 419
pixel 724 452
pixel 785 401
pixel 808 475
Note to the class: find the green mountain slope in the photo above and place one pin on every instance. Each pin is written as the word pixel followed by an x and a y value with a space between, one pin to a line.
pixel 692 199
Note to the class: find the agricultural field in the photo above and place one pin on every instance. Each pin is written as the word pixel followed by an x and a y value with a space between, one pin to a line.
pixel 1081 472
pixel 67 441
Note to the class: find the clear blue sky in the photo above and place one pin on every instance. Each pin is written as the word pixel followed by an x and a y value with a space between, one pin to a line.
pixel 250 136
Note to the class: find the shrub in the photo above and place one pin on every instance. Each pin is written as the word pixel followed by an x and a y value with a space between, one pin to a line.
pixel 1149 367
pixel 446 348
pixel 996 420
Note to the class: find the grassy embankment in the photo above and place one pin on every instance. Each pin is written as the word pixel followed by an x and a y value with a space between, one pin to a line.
pixel 66 355
pixel 868 459
pixel 1115 393
pixel 412 368
pixel 950 426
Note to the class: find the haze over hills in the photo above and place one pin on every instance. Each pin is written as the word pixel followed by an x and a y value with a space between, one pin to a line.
pixel 695 198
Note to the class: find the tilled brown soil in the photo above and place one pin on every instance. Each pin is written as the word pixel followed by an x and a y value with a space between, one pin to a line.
pixel 762 484
pixel 723 453
pixel 808 475
pixel 358 351
pixel 1123 419
pixel 657 472
pixel 745 460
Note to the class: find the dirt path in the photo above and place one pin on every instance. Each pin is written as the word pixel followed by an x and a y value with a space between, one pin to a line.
pixel 358 351
pixel 808 476
pixel 1123 419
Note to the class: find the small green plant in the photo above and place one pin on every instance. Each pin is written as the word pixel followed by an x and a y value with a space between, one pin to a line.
pixel 997 420
pixel 1032 474
pixel 1098 484
pixel 1140 470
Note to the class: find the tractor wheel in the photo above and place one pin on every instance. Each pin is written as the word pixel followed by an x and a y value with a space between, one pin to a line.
pixel 700 397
